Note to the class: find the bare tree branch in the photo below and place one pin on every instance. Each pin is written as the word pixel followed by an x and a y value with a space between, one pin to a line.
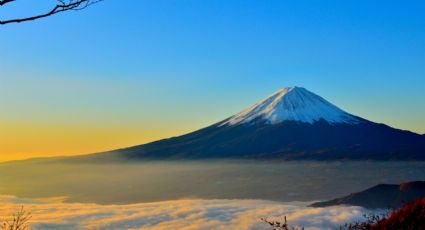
pixel 19 221
pixel 4 2
pixel 61 7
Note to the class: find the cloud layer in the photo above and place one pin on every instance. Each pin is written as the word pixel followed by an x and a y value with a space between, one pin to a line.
pixel 177 214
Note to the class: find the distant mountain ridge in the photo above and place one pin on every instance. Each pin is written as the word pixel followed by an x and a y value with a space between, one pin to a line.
pixel 381 196
pixel 291 124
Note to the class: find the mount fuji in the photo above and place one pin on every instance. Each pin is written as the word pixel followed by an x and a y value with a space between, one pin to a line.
pixel 291 124
pixel 292 104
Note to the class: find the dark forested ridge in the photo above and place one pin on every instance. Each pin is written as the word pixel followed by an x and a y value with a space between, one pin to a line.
pixel 381 196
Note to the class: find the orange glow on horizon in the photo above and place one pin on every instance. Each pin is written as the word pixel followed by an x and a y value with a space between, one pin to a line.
pixel 23 141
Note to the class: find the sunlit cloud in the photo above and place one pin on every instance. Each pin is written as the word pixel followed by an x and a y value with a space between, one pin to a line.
pixel 177 214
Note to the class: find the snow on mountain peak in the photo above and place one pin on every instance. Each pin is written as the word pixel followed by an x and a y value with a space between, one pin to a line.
pixel 292 104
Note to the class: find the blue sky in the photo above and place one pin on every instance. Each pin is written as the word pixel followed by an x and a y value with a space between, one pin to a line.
pixel 168 67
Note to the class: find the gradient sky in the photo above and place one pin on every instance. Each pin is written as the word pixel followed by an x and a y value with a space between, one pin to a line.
pixel 127 72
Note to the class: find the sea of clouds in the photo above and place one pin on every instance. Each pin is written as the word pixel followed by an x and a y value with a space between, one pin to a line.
pixel 177 214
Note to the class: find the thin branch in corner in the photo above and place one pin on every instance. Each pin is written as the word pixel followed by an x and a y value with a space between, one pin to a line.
pixel 4 2
pixel 61 7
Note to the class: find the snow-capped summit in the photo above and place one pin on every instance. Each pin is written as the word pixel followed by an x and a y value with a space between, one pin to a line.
pixel 293 104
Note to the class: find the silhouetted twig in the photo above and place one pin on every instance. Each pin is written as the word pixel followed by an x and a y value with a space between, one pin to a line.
pixel 277 225
pixel 370 221
pixel 4 2
pixel 20 221
pixel 64 5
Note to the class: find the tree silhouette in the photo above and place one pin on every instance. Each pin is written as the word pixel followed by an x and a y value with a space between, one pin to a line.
pixel 19 221
pixel 278 225
pixel 62 5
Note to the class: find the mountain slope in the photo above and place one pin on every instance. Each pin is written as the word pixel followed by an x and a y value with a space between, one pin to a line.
pixel 290 124
pixel 381 196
